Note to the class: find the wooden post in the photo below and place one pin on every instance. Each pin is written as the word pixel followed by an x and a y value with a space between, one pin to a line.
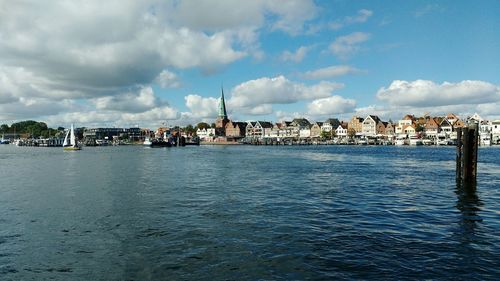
pixel 459 155
pixel 467 144
pixel 475 151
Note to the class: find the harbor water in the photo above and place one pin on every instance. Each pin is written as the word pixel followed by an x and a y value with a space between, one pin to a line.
pixel 246 213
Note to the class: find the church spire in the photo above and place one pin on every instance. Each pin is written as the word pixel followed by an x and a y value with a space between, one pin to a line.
pixel 222 105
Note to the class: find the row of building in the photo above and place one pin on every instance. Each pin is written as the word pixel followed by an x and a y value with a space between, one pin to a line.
pixel 371 126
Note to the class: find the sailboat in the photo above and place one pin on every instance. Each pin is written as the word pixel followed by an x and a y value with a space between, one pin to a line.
pixel 71 145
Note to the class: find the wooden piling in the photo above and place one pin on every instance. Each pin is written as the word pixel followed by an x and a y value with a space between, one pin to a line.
pixel 459 155
pixel 466 159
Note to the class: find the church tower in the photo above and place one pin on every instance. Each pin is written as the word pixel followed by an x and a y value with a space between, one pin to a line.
pixel 221 121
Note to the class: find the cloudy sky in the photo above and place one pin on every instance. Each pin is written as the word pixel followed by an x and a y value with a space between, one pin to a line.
pixel 147 63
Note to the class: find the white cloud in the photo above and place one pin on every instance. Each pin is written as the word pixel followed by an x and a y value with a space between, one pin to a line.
pixel 296 56
pixel 331 72
pixel 346 46
pixel 202 107
pixel 422 93
pixel 331 105
pixel 360 17
pixel 95 51
pixel 167 79
pixel 278 90
pixel 212 16
pixel 145 100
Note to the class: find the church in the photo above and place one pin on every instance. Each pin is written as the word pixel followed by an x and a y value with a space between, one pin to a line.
pixel 226 128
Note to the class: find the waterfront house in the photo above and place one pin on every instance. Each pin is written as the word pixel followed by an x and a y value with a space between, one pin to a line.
pixel 446 127
pixel 285 129
pixel 341 130
pixel 431 128
pixel 409 130
pixel 316 129
pixel 205 134
pixel 406 121
pixel 298 124
pixel 236 129
pixel 305 133
pixel 389 129
pixel 369 125
pixel 452 118
pixel 380 129
pixel 356 123
pixel 330 124
pixel 257 129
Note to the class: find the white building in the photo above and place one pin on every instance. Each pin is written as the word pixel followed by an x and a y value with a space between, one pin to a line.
pixel 369 126
pixel 341 131
pixel 205 134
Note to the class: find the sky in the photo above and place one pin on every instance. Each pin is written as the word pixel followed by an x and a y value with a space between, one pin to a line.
pixel 154 63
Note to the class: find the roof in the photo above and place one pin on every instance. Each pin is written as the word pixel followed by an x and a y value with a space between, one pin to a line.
pixel 332 121
pixel 302 122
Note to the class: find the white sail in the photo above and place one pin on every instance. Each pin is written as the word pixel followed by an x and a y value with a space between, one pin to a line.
pixel 72 137
pixel 65 143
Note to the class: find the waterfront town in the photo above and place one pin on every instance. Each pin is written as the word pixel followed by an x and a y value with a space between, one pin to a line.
pixel 360 130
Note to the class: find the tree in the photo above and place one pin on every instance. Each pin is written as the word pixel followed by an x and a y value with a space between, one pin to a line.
pixel 419 128
pixel 212 126
pixel 325 135
pixel 351 132
pixel 4 128
pixel 190 130
pixel 202 125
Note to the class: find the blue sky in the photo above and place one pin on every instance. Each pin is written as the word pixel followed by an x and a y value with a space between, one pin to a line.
pixel 126 63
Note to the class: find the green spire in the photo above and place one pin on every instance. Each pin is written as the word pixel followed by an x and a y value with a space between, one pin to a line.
pixel 222 105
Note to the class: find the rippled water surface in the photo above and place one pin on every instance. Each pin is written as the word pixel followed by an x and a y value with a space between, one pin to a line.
pixel 246 213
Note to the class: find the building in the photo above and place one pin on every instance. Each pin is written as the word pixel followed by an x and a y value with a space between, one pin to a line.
pixel 316 129
pixel 222 120
pixel 257 129
pixel 341 131
pixel 206 134
pixel 330 124
pixel 356 123
pixel 235 129
pixel 133 134
pixel 369 125
pixel 431 128
pixel 389 129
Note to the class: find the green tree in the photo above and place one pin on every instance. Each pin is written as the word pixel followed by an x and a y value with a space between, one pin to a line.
pixel 351 132
pixel 202 125
pixel 325 135
pixel 419 128
pixel 4 128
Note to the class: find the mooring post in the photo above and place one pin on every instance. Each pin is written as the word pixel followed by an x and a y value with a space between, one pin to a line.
pixel 465 155
pixel 475 151
pixel 459 155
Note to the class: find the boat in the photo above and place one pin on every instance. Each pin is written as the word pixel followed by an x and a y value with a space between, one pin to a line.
pixel 160 143
pixel 400 141
pixel 428 142
pixel 71 145
pixel 415 141
pixel 147 142
pixel 4 141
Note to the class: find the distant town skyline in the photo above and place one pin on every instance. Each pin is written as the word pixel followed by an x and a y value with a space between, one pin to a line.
pixel 147 63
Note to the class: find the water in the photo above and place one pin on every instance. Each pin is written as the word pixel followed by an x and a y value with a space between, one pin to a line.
pixel 246 213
